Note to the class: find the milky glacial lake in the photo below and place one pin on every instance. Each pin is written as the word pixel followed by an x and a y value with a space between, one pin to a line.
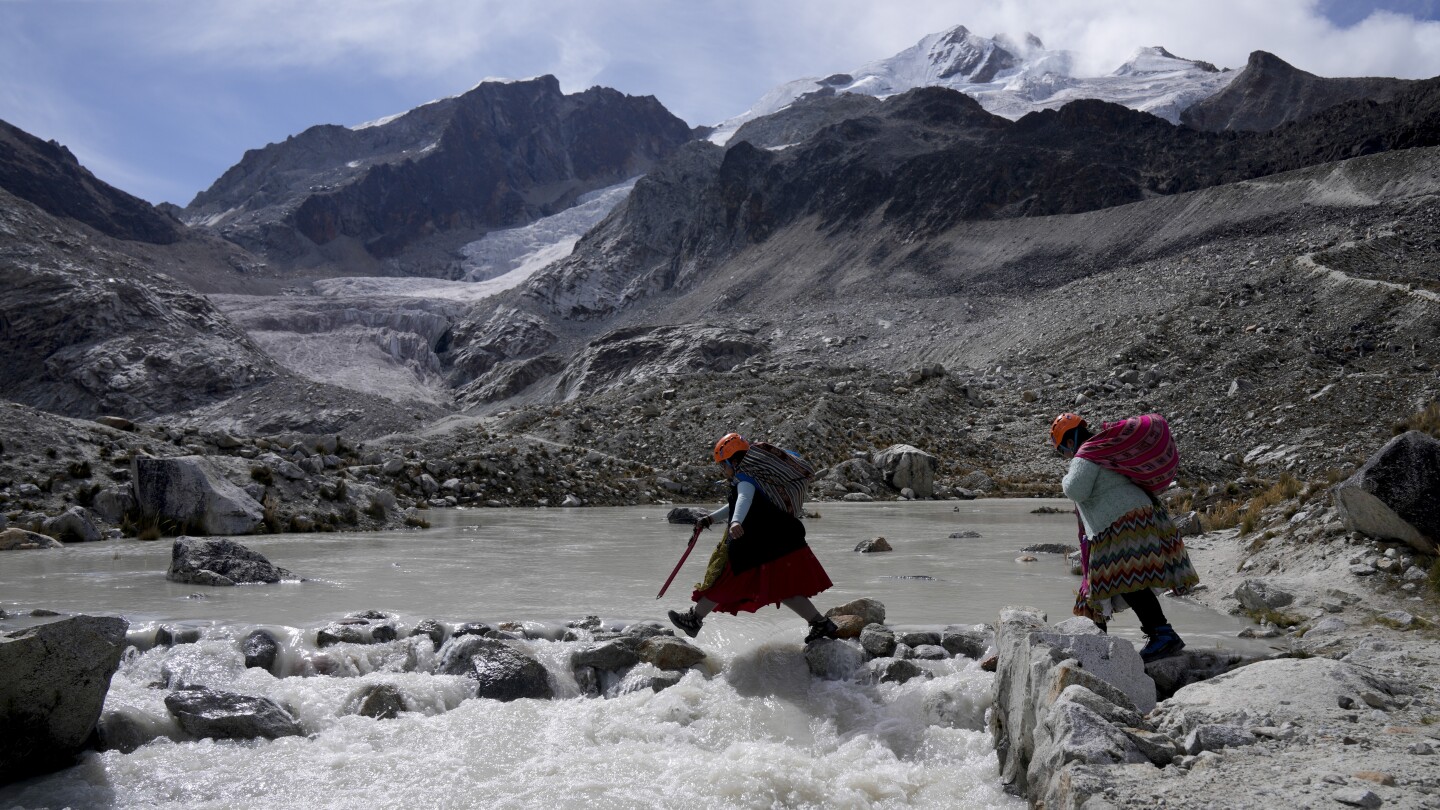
pixel 754 730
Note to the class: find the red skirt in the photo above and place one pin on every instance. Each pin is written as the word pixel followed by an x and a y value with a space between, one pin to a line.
pixel 796 574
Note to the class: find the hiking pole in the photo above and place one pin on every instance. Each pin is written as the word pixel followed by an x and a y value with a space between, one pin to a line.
pixel 683 557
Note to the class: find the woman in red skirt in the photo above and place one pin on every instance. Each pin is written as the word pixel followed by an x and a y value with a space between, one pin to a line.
pixel 762 559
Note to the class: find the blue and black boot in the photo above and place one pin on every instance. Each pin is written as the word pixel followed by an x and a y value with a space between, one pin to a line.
pixel 687 621
pixel 1164 642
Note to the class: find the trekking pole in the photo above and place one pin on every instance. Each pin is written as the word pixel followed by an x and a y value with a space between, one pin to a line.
pixel 683 557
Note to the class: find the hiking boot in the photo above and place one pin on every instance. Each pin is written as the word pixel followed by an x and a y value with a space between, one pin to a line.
pixel 687 621
pixel 1164 642
pixel 820 628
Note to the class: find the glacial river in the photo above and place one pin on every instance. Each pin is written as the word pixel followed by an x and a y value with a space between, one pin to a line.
pixel 758 732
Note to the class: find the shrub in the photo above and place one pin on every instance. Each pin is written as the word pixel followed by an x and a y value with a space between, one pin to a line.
pixel 262 474
pixel 151 532
pixel 78 469
pixel 1425 421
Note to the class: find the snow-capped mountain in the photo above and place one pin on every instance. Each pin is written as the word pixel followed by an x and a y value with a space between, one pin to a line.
pixel 1009 78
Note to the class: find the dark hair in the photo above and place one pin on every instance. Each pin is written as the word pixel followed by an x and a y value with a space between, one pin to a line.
pixel 1080 432
pixel 736 457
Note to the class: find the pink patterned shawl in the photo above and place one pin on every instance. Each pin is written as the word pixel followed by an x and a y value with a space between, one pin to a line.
pixel 1140 448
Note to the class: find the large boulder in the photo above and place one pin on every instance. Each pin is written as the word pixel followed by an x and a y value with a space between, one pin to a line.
pixel 53 681
pixel 670 653
pixel 20 540
pixel 192 494
pixel 501 672
pixel 217 561
pixel 204 712
pixel 1393 494
pixel 72 526
pixel 872 611
pixel 904 467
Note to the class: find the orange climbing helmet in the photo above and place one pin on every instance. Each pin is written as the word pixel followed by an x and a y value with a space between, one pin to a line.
pixel 729 445
pixel 1064 423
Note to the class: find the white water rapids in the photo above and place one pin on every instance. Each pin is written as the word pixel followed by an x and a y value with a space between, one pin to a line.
pixel 759 731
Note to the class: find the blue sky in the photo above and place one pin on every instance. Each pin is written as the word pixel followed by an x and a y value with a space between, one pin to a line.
pixel 159 97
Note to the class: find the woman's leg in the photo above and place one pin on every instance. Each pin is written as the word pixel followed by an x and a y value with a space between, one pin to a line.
pixel 1147 609
pixel 803 606
pixel 703 607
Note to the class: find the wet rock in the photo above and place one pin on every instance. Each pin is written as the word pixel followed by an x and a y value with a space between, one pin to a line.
pixel 588 681
pixel 929 652
pixel 341 633
pixel 501 671
pixel 217 561
pixel 382 633
pixel 871 610
pixel 381 701
pixel 873 545
pixel 1049 548
pixel 21 540
pixel 892 670
pixel 1258 594
pixel 670 653
pixel 645 678
pixel 260 649
pixel 473 629
pixel 877 640
pixel 125 729
pixel 969 642
pixel 612 656
pixel 572 501
pixel 191 491
pixel 74 526
pixel 967 534
pixel 918 638
pixel 1392 495
pixel 685 515
pixel 429 627
pixel 209 713
pixel 167 636
pixel 833 659
pixel 53 682
pixel 858 497
pixel 848 626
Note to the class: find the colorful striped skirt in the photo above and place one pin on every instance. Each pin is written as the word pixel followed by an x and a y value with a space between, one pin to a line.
pixel 1141 550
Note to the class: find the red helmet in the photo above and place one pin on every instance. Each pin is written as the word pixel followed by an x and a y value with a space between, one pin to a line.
pixel 729 445
pixel 1064 423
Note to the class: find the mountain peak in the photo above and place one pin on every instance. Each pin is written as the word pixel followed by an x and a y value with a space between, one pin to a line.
pixel 1156 59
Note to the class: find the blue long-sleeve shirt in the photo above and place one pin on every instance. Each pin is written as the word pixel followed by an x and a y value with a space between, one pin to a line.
pixel 745 495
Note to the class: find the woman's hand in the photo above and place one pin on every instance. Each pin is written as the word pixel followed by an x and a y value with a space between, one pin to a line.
pixel 737 531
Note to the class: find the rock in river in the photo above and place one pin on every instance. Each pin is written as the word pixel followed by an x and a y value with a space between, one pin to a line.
pixel 53 680
pixel 217 561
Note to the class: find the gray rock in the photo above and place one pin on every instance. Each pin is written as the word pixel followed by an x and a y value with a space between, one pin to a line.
pixel 53 682
pixel 191 493
pixel 858 497
pixel 502 672
pixel 1392 495
pixel 877 640
pixel 1112 660
pixel 915 638
pixel 217 561
pixel 167 636
pixel 342 633
pixel 929 652
pixel 113 504
pixel 833 659
pixel 21 540
pixel 645 678
pixel 971 642
pixel 967 534
pixel 1216 736
pixel 892 670
pixel 125 729
pixel 1189 524
pixel 1258 594
pixel 208 713
pixel 381 701
pixel 906 467
pixel 73 526
pixel 869 610
pixel 1192 666
pixel 393 466
pixel 670 653
pixel 684 515
pixel 431 628
pixel 873 545
pixel 260 649
pixel 613 655
pixel 1357 797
